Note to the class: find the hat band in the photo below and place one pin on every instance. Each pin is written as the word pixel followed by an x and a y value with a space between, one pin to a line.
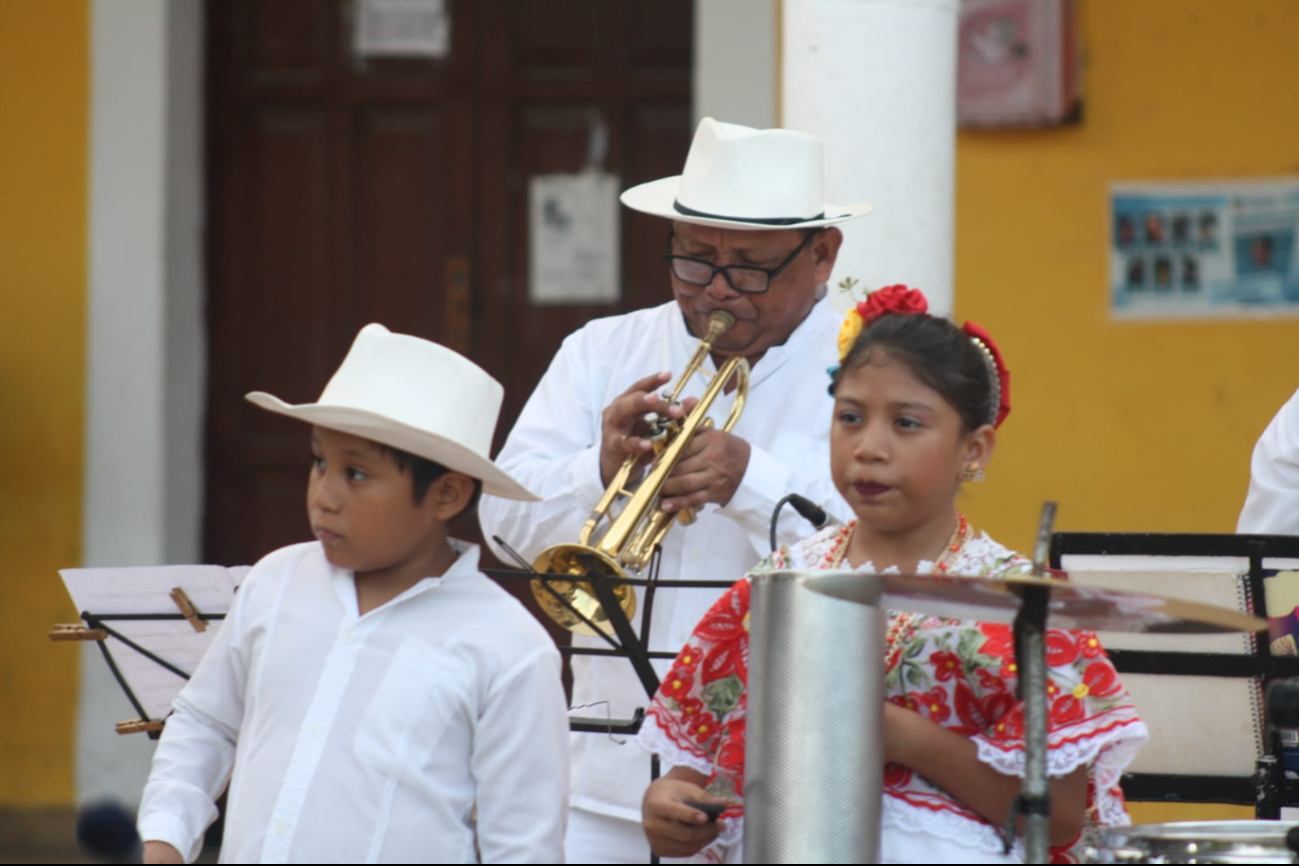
pixel 773 221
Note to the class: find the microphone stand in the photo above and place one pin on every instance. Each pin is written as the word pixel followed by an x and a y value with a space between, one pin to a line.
pixel 807 509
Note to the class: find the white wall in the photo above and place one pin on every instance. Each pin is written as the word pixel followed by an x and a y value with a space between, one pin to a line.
pixel 143 473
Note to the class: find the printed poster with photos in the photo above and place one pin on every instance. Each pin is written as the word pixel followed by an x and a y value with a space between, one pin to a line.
pixel 1204 250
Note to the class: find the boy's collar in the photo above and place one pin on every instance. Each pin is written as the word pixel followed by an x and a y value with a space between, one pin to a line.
pixel 465 563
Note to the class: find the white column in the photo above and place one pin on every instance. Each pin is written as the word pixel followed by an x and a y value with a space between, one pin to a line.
pixel 145 346
pixel 876 81
pixel 735 62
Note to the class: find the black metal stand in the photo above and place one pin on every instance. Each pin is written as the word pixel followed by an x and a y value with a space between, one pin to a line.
pixel 103 620
pixel 1034 800
pixel 1266 789
pixel 625 643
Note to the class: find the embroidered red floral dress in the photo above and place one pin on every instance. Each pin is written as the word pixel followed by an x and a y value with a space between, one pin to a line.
pixel 960 674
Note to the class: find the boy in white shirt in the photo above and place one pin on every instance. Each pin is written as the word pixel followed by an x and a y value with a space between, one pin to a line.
pixel 372 696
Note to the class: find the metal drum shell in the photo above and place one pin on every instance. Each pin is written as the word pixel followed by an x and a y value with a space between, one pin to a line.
pixel 814 768
pixel 1194 842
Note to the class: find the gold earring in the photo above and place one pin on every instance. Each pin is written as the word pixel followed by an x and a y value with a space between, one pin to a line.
pixel 972 473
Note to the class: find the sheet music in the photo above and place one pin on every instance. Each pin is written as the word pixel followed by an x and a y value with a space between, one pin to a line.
pixel 1186 713
pixel 1183 713
pixel 146 590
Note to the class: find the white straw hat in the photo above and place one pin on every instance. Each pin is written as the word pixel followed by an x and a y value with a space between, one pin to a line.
pixel 415 396
pixel 737 177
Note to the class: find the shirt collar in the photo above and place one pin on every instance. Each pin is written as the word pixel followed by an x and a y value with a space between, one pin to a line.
pixel 465 564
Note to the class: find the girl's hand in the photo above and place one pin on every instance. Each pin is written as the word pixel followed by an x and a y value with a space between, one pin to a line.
pixel 161 852
pixel 673 828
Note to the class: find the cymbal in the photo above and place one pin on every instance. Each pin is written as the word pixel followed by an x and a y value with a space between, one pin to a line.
pixel 1086 608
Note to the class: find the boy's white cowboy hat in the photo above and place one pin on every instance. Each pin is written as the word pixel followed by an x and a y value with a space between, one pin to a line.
pixel 415 396
pixel 737 177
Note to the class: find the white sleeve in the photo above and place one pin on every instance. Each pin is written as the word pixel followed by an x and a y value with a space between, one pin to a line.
pixel 1272 504
pixel 192 763
pixel 554 451
pixel 520 764
pixel 768 479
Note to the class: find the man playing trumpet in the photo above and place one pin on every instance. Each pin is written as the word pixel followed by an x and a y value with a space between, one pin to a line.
pixel 750 234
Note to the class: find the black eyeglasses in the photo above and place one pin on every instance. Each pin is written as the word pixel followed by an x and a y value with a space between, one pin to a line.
pixel 749 279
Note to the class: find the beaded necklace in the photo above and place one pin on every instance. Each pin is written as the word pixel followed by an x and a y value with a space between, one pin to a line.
pixel 902 625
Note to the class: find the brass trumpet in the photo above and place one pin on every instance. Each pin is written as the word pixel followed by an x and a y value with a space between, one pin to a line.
pixel 629 541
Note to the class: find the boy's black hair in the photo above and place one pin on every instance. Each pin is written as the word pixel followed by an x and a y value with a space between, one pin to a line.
pixel 423 472
pixel 938 353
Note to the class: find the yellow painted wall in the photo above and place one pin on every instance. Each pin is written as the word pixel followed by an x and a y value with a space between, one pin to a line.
pixel 1129 426
pixel 44 97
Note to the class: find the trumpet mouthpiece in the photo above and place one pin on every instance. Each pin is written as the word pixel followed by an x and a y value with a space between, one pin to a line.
pixel 719 322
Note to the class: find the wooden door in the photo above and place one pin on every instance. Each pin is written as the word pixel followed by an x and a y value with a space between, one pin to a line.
pixel 395 191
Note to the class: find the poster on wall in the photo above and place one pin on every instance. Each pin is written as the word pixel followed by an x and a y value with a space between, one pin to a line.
pixel 1216 249
pixel 401 28
pixel 1017 63
pixel 573 245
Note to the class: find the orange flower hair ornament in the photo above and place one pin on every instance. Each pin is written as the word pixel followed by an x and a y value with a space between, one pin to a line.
pixel 900 300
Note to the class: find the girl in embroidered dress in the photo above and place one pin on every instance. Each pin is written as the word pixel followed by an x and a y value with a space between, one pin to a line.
pixel 917 404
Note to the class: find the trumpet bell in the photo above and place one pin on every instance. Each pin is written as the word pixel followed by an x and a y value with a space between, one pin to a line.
pixel 579 561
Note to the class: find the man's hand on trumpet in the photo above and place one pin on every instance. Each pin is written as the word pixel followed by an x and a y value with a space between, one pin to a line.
pixel 710 470
pixel 624 425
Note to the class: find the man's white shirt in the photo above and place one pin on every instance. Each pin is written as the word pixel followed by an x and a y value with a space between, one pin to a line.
pixel 430 725
pixel 554 450
pixel 1272 504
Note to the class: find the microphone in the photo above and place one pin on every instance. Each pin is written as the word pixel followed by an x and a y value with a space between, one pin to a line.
pixel 807 509
pixel 107 831
pixel 813 513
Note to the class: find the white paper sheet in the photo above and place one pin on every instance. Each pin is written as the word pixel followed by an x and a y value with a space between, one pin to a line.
pixel 147 590
pixel 1198 725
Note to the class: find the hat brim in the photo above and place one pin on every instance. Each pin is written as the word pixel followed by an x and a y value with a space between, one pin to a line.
pixel 659 197
pixel 422 443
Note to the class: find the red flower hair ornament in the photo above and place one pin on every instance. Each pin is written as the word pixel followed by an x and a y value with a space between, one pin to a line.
pixel 900 300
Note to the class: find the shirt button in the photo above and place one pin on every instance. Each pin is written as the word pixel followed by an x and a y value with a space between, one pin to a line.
pixel 349 637
pixel 281 828
pixel 316 730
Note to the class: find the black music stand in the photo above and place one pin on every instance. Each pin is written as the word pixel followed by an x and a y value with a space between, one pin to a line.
pixel 150 665
pixel 625 642
pixel 98 628
pixel 1265 789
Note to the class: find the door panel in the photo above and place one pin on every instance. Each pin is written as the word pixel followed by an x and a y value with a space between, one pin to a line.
pixel 344 191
